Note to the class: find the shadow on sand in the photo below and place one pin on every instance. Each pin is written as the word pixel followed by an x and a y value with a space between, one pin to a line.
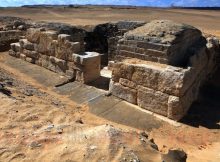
pixel 206 110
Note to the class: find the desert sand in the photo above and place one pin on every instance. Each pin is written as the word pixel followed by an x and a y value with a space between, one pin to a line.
pixel 206 20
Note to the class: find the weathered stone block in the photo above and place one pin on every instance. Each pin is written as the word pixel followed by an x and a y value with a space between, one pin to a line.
pixel 14 54
pixel 15 47
pixel 175 108
pixel 127 83
pixel 58 65
pixel 25 44
pixel 64 48
pixel 62 38
pixel 32 54
pixel 121 70
pixel 30 60
pixel 87 66
pixel 23 56
pixel 46 41
pixel 155 53
pixel 153 46
pixel 126 48
pixel 124 93
pixel 33 35
pixel 152 100
pixel 44 61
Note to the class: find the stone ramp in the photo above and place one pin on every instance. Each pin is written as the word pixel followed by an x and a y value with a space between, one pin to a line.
pixel 122 112
pixel 79 93
pixel 41 75
pixel 110 108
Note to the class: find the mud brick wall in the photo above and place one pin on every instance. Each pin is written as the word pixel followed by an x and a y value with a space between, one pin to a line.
pixel 8 37
pixel 58 53
pixel 164 89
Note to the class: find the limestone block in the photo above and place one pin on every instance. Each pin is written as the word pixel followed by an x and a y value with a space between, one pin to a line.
pixel 128 42
pixel 44 61
pixel 30 60
pixel 153 46
pixel 175 108
pixel 75 47
pixel 23 56
pixel 62 38
pixel 33 35
pixel 90 58
pixel 65 48
pixel 74 58
pixel 51 66
pixel 25 44
pixel 52 48
pixel 152 100
pixel 126 48
pixel 15 47
pixel 46 41
pixel 57 65
pixel 127 83
pixel 121 70
pixel 32 54
pixel 87 66
pixel 165 79
pixel 155 53
pixel 13 53
pixel 171 81
pixel 124 93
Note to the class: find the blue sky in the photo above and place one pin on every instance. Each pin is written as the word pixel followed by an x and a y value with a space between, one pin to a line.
pixel 197 3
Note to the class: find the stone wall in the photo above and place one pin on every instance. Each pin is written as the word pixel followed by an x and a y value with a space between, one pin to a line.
pixel 103 38
pixel 165 90
pixel 152 75
pixel 59 53
pixel 7 37
pixel 159 41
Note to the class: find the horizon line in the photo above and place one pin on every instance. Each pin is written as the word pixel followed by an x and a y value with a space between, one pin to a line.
pixel 170 6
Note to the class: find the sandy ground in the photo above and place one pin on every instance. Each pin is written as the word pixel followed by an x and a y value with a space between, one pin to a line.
pixel 206 20
pixel 37 123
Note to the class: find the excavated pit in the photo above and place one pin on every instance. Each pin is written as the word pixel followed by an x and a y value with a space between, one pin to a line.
pixel 159 66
